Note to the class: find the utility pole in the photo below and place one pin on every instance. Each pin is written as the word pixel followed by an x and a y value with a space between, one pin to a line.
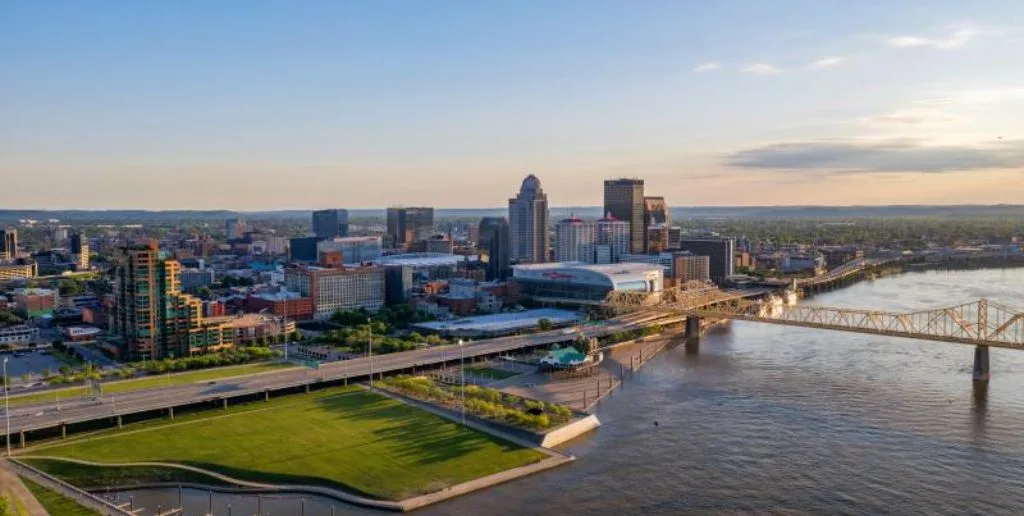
pixel 462 373
pixel 369 350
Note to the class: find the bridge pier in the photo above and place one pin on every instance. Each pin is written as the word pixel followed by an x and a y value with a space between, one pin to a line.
pixel 692 334
pixel 981 365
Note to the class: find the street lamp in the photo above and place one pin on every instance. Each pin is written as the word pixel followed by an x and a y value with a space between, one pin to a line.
pixel 369 350
pixel 7 411
pixel 462 373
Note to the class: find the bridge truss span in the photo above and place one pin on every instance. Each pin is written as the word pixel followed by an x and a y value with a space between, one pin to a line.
pixel 979 323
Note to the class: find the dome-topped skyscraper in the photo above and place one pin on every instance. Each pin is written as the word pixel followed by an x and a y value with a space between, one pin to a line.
pixel 528 222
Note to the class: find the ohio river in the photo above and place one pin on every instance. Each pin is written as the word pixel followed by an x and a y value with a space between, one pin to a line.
pixel 774 419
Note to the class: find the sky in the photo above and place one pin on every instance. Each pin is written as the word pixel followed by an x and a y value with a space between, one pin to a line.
pixel 259 105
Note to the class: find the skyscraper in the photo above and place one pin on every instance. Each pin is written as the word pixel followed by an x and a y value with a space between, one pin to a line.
pixel 9 244
pixel 330 223
pixel 407 225
pixel 575 240
pixel 656 224
pixel 624 200
pixel 612 237
pixel 79 249
pixel 494 241
pixel 234 228
pixel 528 222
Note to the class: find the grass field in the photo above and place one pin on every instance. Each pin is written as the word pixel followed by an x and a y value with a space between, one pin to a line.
pixel 55 503
pixel 341 437
pixel 149 382
pixel 490 372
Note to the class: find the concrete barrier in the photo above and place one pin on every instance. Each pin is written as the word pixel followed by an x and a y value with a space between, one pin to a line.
pixel 569 431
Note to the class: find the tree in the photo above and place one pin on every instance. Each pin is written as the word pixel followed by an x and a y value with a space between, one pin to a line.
pixel 70 287
pixel 544 324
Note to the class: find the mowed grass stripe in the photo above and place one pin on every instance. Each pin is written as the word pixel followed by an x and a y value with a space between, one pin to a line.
pixel 149 382
pixel 356 440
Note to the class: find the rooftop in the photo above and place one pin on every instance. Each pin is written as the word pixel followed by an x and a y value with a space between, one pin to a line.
pixel 503 322
pixel 420 259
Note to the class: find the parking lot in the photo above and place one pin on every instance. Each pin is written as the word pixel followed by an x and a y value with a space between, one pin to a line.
pixel 35 362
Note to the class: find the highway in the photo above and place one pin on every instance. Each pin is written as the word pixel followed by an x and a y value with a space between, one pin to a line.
pixel 43 416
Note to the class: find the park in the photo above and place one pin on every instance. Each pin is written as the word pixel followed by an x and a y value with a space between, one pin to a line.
pixel 344 438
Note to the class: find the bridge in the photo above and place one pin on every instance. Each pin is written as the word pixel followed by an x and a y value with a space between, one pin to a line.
pixel 981 323
pixel 842 275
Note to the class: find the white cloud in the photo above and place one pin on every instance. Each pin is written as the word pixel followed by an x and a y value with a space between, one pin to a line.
pixel 942 108
pixel 761 69
pixel 706 67
pixel 826 62
pixel 955 39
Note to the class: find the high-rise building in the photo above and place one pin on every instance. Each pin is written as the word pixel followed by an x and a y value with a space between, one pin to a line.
pixel 612 237
pixel 494 247
pixel 720 251
pixel 440 243
pixel 234 228
pixel 656 215
pixel 675 235
pixel 151 315
pixel 354 250
pixel 79 250
pixel 528 223
pixel 334 289
pixel 575 240
pixel 690 267
pixel 330 223
pixel 9 244
pixel 624 200
pixel 407 225
pixel 303 249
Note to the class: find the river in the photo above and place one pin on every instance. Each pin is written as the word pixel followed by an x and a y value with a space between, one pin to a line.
pixel 775 419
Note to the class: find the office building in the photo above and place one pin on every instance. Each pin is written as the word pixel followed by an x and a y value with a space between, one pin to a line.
pixel 151 315
pixel 354 250
pixel 690 267
pixel 657 238
pixel 330 223
pixel 303 249
pixel 12 271
pixel 9 244
pixel 192 279
pixel 290 305
pixel 440 244
pixel 234 228
pixel 675 235
pixel 407 225
pixel 79 250
pixel 334 289
pixel 624 200
pixel 494 247
pixel 528 223
pixel 575 240
pixel 720 251
pixel 612 240
pixel 398 284
pixel 18 335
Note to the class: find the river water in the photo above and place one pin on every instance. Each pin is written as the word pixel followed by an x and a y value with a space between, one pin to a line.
pixel 781 420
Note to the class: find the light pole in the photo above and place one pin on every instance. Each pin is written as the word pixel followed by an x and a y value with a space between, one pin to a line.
pixel 369 350
pixel 7 411
pixel 462 373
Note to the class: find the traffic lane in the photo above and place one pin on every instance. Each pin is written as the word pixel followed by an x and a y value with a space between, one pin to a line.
pixel 151 400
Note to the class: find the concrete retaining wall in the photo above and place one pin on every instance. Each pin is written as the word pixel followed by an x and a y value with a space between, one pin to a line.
pixel 569 431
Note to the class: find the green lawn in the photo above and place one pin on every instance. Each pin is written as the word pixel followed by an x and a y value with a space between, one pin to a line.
pixel 490 372
pixel 342 437
pixel 150 382
pixel 55 503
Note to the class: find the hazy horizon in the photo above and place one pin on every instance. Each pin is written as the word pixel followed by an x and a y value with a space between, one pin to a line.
pixel 267 106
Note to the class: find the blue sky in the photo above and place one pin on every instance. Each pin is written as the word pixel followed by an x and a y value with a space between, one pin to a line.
pixel 261 105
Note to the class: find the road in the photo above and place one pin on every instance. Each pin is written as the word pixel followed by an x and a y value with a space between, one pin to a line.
pixel 42 416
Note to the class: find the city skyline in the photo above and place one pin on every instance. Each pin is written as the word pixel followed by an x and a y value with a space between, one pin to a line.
pixel 207 106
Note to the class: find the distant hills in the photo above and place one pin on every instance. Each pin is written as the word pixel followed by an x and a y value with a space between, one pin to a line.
pixel 696 212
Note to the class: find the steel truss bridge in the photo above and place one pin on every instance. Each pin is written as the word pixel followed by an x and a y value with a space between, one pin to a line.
pixel 981 323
